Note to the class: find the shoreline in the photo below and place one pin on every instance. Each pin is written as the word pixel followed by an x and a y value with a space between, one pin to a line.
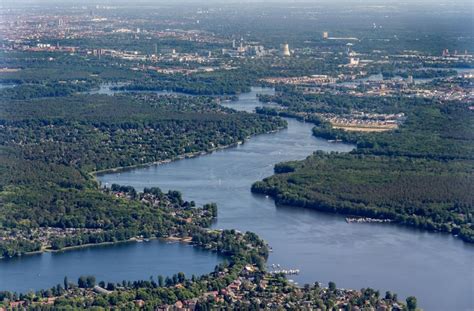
pixel 173 239
pixel 188 155
pixel 94 174
pixel 353 219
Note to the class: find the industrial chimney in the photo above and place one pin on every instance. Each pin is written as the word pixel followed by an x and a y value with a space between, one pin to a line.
pixel 286 50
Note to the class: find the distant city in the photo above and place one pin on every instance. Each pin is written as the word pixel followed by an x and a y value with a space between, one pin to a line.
pixel 225 155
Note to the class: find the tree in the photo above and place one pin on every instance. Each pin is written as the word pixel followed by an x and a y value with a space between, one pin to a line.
pixel 161 281
pixel 86 281
pixel 181 277
pixel 101 302
pixel 66 283
pixel 90 281
pixel 332 286
pixel 411 303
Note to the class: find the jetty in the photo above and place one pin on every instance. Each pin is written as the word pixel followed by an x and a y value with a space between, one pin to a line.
pixel 366 220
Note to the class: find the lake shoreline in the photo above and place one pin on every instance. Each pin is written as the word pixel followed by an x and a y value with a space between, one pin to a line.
pixel 172 239
pixel 188 155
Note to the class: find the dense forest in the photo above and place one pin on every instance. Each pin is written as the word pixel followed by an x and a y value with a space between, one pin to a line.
pixel 41 74
pixel 49 147
pixel 420 174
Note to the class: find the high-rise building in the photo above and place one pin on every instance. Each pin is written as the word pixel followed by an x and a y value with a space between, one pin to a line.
pixel 286 50
pixel 242 49
pixel 354 61
pixel 325 35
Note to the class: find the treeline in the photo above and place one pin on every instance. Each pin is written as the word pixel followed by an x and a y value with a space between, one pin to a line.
pixel 12 248
pixel 246 254
pixel 123 130
pixel 27 91
pixel 49 147
pixel 418 192
pixel 215 84
pixel 240 249
pixel 419 174
pixel 49 67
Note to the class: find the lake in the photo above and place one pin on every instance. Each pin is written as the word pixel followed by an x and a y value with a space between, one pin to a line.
pixel 437 268
pixel 128 261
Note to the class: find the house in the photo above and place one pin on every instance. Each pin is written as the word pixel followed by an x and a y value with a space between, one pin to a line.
pixel 16 304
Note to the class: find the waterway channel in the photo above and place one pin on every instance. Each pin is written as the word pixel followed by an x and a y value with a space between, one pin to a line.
pixel 437 268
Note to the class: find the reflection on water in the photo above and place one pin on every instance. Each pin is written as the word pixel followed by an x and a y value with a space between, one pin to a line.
pixel 110 263
pixel 436 268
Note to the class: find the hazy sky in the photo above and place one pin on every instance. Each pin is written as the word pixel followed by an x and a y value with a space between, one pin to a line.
pixel 467 4
pixel 446 2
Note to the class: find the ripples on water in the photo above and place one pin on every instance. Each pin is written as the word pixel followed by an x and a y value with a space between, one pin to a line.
pixel 436 268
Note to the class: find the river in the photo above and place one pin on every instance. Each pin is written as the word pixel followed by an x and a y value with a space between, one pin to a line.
pixel 436 268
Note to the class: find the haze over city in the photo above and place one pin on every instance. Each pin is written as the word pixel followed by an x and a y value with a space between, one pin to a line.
pixel 204 155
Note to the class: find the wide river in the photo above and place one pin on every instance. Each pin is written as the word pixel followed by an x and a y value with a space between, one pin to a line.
pixel 436 268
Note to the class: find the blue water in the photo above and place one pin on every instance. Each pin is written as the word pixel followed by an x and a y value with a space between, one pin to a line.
pixel 109 263
pixel 437 268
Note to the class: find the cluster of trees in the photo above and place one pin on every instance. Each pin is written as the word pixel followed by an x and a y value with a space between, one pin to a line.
pixel 47 151
pixel 419 174
pixel 49 147
pixel 86 281
pixel 48 67
pixel 222 84
pixel 418 192
pixel 248 247
pixel 246 73
pixel 12 248
pixel 26 91
pixel 122 130
pixel 160 290
pixel 240 249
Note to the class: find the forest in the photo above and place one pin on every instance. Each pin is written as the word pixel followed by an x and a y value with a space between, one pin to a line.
pixel 420 174
pixel 50 147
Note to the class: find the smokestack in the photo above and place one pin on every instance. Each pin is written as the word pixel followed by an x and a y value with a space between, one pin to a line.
pixel 286 50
